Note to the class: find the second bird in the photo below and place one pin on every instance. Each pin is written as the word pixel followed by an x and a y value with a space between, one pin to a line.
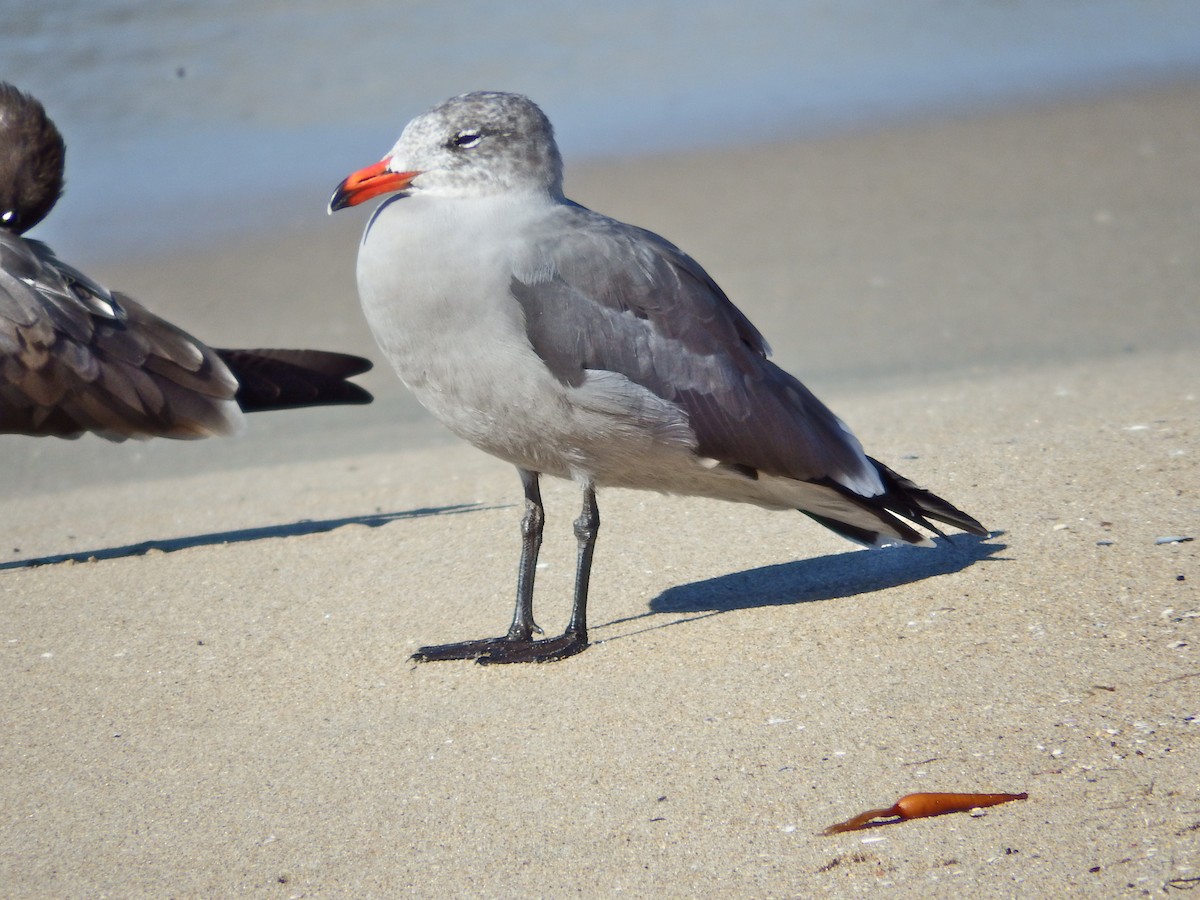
pixel 77 358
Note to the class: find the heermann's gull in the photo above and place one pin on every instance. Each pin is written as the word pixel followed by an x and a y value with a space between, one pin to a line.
pixel 570 344
pixel 75 357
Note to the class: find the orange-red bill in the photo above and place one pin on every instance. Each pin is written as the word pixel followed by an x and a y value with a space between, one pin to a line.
pixel 369 182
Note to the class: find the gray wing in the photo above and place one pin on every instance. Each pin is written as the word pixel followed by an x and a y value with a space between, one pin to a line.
pixel 601 295
pixel 75 357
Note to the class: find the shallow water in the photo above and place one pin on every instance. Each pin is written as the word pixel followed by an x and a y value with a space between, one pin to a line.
pixel 193 113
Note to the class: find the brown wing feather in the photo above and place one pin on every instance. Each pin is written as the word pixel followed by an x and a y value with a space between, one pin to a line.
pixel 76 358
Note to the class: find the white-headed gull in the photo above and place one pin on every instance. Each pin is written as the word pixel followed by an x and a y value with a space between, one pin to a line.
pixel 571 344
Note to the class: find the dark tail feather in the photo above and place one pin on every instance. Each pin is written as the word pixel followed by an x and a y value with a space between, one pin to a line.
pixel 866 536
pixel 901 503
pixel 919 505
pixel 291 379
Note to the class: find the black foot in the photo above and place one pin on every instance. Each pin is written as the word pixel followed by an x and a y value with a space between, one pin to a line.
pixel 491 651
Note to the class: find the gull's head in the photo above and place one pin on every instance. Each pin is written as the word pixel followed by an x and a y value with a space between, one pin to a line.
pixel 472 145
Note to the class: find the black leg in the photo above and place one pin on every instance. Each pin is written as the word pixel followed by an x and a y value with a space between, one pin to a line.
pixel 518 645
pixel 521 632
pixel 575 638
pixel 587 526
pixel 523 627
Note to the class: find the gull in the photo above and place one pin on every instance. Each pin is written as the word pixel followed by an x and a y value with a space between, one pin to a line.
pixel 573 345
pixel 76 357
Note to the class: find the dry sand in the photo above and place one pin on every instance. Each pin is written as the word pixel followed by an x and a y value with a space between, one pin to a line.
pixel 1004 308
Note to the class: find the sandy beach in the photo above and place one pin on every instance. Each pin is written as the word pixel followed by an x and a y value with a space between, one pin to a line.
pixel 204 668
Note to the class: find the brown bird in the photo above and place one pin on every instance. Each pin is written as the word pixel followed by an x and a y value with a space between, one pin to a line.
pixel 76 357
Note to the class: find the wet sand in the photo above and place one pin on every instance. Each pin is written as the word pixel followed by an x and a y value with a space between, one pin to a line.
pixel 1003 308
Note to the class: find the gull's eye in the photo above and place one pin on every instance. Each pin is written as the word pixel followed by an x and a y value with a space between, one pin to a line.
pixel 465 140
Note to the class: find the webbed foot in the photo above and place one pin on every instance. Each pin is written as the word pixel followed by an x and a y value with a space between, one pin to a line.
pixel 491 651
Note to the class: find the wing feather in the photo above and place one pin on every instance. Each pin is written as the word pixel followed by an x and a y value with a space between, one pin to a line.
pixel 77 358
pixel 601 295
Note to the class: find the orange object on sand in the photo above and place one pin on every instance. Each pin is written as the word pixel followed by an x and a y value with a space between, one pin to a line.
pixel 917 806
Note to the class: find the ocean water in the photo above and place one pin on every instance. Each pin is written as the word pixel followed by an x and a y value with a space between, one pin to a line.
pixel 184 117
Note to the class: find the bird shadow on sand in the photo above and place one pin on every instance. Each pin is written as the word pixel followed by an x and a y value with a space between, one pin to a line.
pixel 822 578
pixel 241 535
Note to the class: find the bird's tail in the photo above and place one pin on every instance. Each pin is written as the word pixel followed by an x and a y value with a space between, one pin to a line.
pixel 291 379
pixel 901 503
